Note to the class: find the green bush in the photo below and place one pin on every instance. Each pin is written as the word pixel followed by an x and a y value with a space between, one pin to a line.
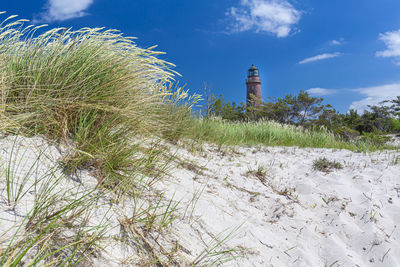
pixel 395 125
pixel 346 133
pixel 375 138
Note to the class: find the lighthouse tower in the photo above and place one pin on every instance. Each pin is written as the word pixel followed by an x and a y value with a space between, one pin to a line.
pixel 253 83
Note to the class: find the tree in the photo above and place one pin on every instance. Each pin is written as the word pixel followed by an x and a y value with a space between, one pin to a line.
pixel 307 108
pixel 329 118
pixel 395 108
pixel 300 109
pixel 225 109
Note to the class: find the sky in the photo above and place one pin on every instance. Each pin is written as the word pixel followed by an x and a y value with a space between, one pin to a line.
pixel 346 51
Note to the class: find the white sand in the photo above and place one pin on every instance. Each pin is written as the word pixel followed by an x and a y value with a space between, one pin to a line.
pixel 286 221
pixel 291 216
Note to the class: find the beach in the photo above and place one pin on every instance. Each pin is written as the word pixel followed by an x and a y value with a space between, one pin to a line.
pixel 239 206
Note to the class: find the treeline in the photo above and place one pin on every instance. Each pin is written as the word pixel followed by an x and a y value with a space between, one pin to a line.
pixel 310 112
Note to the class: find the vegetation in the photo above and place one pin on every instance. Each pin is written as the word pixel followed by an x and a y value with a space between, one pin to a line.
pixel 57 227
pixel 325 165
pixel 302 110
pixel 266 133
pixel 110 103
pixel 292 109
pixel 92 86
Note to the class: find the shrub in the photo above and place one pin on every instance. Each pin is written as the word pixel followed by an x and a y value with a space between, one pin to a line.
pixel 375 138
pixel 395 125
pixel 346 133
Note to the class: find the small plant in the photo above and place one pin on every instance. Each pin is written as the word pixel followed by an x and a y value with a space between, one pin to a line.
pixel 395 161
pixel 16 184
pixel 192 203
pixel 324 165
pixel 214 254
pixel 260 173
pixel 330 199
pixel 372 216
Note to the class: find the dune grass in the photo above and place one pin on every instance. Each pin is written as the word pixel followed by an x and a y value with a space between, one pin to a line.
pixel 93 87
pixel 105 100
pixel 50 224
pixel 270 133
pixel 109 104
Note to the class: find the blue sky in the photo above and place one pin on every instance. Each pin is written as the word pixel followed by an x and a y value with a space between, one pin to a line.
pixel 345 51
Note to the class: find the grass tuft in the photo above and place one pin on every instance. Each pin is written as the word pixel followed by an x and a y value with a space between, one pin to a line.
pixel 92 87
pixel 325 165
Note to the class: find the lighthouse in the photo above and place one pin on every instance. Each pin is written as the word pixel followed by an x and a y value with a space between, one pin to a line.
pixel 253 83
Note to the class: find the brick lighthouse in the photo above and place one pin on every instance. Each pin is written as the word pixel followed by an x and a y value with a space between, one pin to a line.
pixel 253 83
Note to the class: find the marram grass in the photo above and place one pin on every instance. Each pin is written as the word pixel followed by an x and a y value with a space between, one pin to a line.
pixel 107 100
pixel 92 86
pixel 271 133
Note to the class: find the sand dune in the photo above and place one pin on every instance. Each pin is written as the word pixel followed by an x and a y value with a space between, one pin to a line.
pixel 292 215
pixel 267 203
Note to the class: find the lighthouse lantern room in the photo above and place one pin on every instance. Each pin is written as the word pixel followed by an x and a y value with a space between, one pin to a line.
pixel 253 84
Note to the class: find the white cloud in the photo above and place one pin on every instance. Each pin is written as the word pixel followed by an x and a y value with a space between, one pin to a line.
pixel 392 41
pixel 59 10
pixel 375 95
pixel 337 42
pixel 321 91
pixel 273 16
pixel 320 57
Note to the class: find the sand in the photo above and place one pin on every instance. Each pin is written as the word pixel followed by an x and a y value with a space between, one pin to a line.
pixel 294 215
pixel 267 204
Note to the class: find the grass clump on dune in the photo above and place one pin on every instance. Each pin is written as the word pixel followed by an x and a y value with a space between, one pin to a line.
pixel 92 86
pixel 109 102
pixel 325 165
